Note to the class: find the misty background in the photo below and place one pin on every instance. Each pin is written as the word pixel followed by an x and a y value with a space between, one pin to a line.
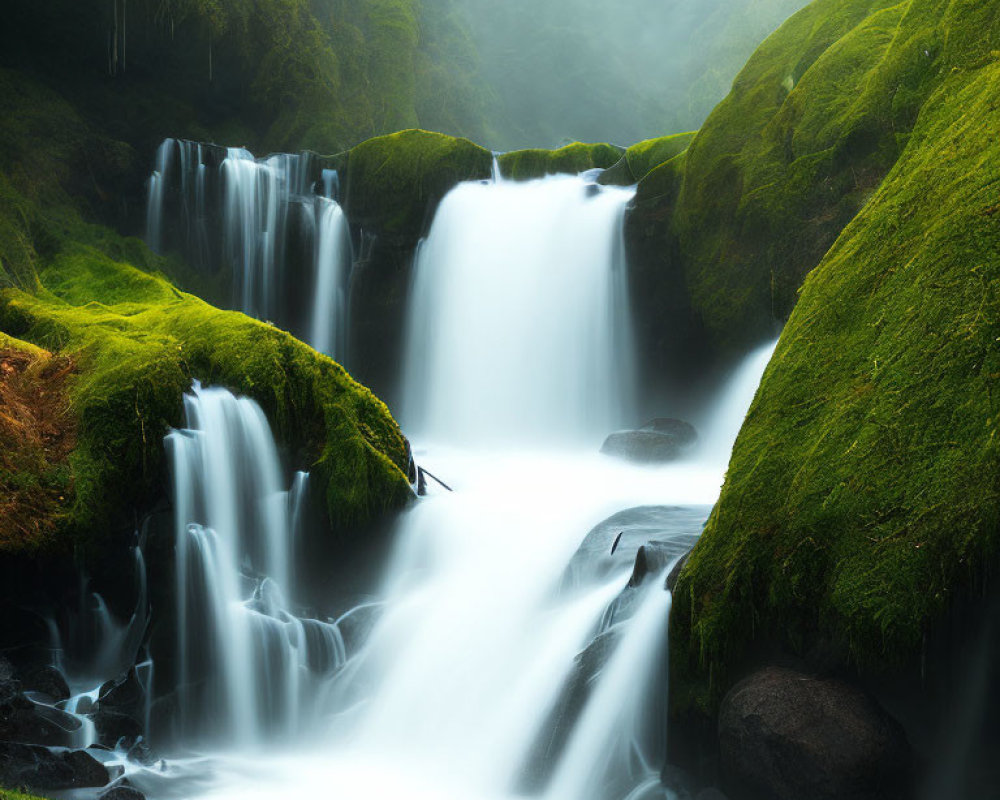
pixel 557 71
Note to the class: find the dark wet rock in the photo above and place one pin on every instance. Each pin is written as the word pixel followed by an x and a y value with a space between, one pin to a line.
pixel 790 736
pixel 676 571
pixel 46 680
pixel 113 727
pixel 676 528
pixel 123 790
pixel 141 753
pixel 659 441
pixel 124 694
pixel 652 559
pixel 37 767
pixel 87 770
pixel 22 721
pixel 84 705
pixel 683 432
pixel 10 689
pixel 710 793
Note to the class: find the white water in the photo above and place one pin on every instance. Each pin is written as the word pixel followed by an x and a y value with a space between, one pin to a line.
pixel 253 199
pixel 247 666
pixel 519 327
pixel 518 367
pixel 333 264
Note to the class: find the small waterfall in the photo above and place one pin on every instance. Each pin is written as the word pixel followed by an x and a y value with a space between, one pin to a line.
pixel 519 325
pixel 607 755
pixel 226 211
pixel 333 260
pixel 247 665
pixel 725 418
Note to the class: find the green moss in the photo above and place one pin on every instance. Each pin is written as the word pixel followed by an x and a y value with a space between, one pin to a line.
pixel 645 156
pixel 9 794
pixel 138 343
pixel 572 159
pixel 395 182
pixel 863 496
pixel 812 125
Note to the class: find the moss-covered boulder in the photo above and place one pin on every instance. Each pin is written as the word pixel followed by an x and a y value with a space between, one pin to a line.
pixel 862 502
pixel 395 182
pixel 137 343
pixel 520 165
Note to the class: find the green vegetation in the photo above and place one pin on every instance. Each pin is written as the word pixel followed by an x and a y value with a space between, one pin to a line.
pixel 135 343
pixel 640 159
pixel 8 794
pixel 862 498
pixel 813 124
pixel 572 159
pixel 394 183
pixel 271 75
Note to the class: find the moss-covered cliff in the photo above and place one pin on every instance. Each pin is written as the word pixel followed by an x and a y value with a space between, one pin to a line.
pixel 861 502
pixel 814 122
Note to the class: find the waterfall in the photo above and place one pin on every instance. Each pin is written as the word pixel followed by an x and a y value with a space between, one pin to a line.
pixel 226 211
pixel 519 326
pixel 476 670
pixel 247 665
pixel 333 259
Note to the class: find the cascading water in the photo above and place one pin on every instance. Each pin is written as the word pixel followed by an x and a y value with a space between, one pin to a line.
pixel 333 263
pixel 247 666
pixel 518 318
pixel 503 658
pixel 224 209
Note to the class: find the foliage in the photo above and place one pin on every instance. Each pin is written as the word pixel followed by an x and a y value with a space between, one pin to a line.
pixel 272 74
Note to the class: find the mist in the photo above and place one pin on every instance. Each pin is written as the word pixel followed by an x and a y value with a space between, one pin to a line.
pixel 588 70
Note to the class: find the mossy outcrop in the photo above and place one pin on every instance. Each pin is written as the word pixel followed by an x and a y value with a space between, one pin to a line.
pixel 642 158
pixel 862 501
pixel 138 343
pixel 393 187
pixel 520 165
pixel 395 182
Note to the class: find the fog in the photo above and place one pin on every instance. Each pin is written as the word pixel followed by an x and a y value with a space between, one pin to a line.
pixel 592 70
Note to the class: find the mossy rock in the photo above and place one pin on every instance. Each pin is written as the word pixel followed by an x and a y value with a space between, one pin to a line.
pixel 642 158
pixel 394 183
pixel 522 165
pixel 862 502
pixel 137 343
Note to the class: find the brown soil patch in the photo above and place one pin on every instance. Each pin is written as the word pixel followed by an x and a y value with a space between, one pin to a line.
pixel 37 433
